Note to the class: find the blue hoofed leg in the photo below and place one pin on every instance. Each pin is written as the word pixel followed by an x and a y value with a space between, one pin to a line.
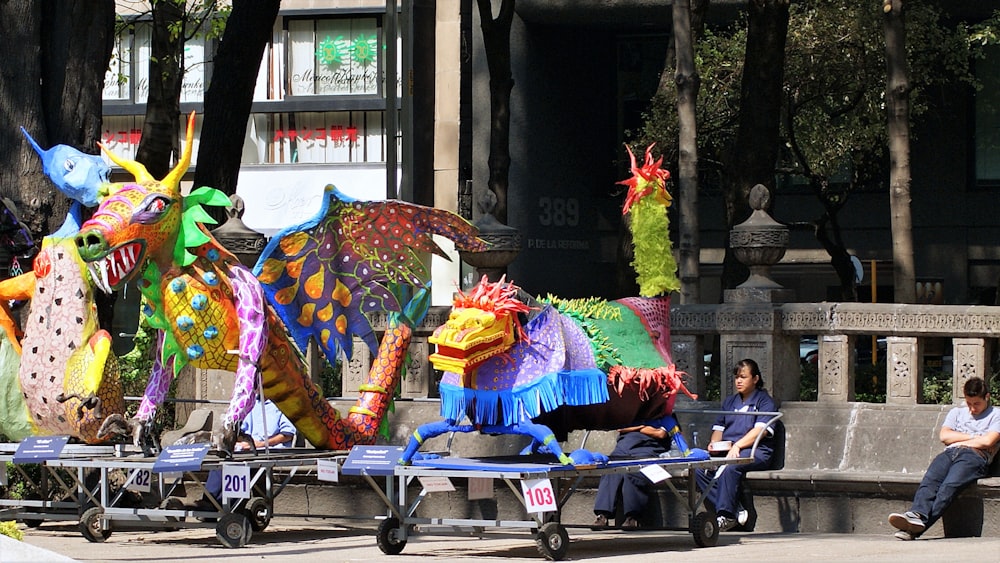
pixel 532 448
pixel 426 431
pixel 538 433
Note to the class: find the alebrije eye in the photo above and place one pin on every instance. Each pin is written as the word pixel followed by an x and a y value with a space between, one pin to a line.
pixel 185 322
pixel 210 333
pixel 212 254
pixel 211 278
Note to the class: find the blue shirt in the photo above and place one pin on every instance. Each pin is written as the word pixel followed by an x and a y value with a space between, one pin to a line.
pixel 736 426
pixel 960 419
pixel 253 424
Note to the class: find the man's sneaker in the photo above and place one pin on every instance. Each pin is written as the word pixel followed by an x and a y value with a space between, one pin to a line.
pixel 904 535
pixel 726 523
pixel 908 521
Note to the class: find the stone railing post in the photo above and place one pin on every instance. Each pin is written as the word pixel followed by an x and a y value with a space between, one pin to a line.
pixel 689 357
pixel 836 357
pixel 968 360
pixel 904 380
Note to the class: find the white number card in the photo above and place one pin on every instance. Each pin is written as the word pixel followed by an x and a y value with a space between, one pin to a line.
pixel 235 481
pixel 538 495
pixel 328 470
pixel 140 480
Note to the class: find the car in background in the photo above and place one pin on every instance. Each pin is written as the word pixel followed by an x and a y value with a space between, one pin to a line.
pixel 809 350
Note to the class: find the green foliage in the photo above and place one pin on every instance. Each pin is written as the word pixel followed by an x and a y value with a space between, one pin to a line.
pixel 10 529
pixel 330 379
pixel 834 87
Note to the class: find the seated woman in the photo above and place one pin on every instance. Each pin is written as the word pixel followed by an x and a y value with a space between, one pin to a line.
pixel 649 439
pixel 741 430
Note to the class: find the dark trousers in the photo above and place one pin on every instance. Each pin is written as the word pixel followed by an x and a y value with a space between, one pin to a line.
pixel 951 471
pixel 634 486
pixel 724 496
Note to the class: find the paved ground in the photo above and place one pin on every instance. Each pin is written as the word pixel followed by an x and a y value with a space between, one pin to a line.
pixel 332 541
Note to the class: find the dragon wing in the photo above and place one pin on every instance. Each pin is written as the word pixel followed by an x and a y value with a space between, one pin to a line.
pixel 327 275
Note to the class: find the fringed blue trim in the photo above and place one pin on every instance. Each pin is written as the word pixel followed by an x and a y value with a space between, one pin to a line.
pixel 581 387
pixel 584 387
pixel 454 400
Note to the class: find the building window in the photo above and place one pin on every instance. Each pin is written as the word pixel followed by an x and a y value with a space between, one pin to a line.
pixel 332 137
pixel 333 57
pixel 127 79
pixel 988 119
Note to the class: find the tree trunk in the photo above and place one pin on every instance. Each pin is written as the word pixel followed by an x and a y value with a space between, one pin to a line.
pixel 755 152
pixel 21 177
pixel 496 41
pixel 897 93
pixel 160 132
pixel 688 83
pixel 51 78
pixel 230 95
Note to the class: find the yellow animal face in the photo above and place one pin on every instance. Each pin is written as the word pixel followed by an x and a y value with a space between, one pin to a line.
pixel 470 337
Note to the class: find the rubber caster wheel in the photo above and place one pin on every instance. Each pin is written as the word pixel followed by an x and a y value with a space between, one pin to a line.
pixel 258 509
pixel 32 523
pixel 233 530
pixel 552 541
pixel 705 529
pixel 90 525
pixel 390 538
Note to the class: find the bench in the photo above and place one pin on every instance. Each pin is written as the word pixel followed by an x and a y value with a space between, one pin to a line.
pixel 874 454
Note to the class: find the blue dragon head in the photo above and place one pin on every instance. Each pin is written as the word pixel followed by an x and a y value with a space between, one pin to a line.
pixel 79 176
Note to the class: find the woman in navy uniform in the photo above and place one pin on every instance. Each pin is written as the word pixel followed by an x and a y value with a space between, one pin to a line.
pixel 741 430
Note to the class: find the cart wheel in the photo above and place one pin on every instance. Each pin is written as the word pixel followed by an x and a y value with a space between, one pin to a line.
pixel 233 530
pixel 90 525
pixel 389 538
pixel 32 523
pixel 552 541
pixel 258 509
pixel 705 529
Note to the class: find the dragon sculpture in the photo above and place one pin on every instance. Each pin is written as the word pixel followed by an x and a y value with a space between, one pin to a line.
pixel 67 374
pixel 316 280
pixel 514 365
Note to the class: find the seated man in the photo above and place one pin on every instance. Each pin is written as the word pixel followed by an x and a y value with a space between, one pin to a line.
pixel 971 435
pixel 278 432
pixel 642 440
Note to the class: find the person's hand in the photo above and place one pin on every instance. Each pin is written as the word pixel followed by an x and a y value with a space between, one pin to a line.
pixel 733 453
pixel 241 446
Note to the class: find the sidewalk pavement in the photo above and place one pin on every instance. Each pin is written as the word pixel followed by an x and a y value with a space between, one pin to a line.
pixel 330 541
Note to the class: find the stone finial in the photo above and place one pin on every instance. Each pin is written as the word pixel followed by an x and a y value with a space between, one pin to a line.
pixel 759 242
pixel 504 241
pixel 239 239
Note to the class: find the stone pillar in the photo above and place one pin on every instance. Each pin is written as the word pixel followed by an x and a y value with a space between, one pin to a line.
pixel 416 379
pixel 750 322
pixel 968 360
pixel 754 332
pixel 836 381
pixel 354 372
pixel 904 380
pixel 689 357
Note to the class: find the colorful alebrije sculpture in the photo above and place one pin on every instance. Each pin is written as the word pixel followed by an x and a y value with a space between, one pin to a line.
pixel 648 200
pixel 568 364
pixel 320 280
pixel 67 373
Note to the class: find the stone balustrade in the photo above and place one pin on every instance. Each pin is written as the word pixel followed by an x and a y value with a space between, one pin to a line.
pixel 770 333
